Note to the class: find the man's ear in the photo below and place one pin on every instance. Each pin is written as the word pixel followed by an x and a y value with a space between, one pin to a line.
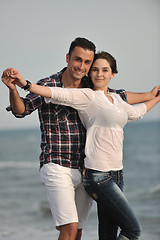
pixel 67 58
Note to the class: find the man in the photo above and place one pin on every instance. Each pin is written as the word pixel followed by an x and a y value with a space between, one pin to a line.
pixel 63 139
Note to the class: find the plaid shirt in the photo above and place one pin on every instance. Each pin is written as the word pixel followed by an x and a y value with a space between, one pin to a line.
pixel 62 133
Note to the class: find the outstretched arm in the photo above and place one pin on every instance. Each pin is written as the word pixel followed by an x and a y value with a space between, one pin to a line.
pixel 76 98
pixel 134 98
pixel 11 77
pixel 15 100
pixel 43 91
pixel 135 112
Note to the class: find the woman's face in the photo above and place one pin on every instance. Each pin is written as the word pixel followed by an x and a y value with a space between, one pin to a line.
pixel 101 73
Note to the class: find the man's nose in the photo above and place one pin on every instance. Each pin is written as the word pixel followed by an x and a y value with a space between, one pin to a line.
pixel 82 65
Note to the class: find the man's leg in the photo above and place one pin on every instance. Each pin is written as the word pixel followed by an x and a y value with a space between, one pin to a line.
pixel 84 204
pixel 79 234
pixel 68 232
pixel 60 187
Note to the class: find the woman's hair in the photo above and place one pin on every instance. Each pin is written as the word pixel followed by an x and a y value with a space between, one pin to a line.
pixel 109 58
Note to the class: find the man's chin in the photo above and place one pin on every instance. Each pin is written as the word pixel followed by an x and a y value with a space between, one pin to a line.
pixel 79 76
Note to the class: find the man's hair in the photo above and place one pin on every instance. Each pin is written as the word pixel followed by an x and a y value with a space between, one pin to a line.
pixel 83 43
pixel 109 58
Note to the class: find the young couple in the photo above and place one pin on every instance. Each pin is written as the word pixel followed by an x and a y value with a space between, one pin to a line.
pixel 103 114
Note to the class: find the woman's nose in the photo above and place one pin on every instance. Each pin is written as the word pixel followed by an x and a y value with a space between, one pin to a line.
pixel 99 73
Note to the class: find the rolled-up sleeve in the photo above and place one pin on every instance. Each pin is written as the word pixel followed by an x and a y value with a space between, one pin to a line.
pixel 31 102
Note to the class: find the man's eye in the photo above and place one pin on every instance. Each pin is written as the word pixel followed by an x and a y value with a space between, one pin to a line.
pixel 78 59
pixel 87 62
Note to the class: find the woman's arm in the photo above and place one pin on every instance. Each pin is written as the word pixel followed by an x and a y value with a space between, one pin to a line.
pixel 11 77
pixel 135 112
pixel 76 98
pixel 43 91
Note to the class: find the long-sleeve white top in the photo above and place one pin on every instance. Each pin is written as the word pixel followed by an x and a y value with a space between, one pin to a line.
pixel 104 122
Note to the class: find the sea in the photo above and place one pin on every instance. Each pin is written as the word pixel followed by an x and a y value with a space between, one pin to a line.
pixel 24 209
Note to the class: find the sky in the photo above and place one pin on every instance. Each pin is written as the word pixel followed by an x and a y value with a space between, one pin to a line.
pixel 36 34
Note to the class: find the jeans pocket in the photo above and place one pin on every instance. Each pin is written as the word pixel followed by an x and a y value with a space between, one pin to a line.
pixel 102 177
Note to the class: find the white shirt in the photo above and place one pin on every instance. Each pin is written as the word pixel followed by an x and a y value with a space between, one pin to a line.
pixel 104 122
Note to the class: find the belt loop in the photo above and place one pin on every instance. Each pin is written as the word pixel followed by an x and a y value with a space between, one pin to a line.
pixel 84 172
pixel 118 175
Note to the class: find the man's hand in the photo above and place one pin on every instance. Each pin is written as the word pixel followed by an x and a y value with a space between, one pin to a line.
pixel 11 77
pixel 158 94
pixel 155 91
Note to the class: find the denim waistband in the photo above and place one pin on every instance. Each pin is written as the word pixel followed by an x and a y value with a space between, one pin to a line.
pixel 87 170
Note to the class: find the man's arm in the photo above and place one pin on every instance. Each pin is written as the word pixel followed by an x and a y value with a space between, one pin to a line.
pixel 134 98
pixel 16 102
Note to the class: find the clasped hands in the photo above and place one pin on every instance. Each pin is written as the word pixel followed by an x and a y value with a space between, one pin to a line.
pixel 11 77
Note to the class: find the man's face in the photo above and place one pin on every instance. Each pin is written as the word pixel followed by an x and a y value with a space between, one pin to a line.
pixel 80 62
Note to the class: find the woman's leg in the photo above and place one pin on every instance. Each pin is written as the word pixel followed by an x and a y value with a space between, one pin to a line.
pixel 107 229
pixel 104 189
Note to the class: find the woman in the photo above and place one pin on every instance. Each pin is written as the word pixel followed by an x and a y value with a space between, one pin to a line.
pixel 104 115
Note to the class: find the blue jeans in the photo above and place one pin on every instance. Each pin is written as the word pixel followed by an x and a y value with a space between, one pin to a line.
pixel 114 211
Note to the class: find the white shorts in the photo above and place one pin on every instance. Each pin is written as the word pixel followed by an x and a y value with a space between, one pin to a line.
pixel 68 199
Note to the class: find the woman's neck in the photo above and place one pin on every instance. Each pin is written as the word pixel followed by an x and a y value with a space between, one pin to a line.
pixel 105 92
pixel 105 89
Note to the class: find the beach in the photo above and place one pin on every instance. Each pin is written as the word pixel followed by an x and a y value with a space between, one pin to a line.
pixel 24 209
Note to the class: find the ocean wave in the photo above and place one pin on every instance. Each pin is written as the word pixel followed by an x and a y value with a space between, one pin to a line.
pixel 6 233
pixel 43 208
pixel 156 189
pixel 13 164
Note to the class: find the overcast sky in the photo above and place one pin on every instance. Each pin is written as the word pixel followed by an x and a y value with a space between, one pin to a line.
pixel 36 34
